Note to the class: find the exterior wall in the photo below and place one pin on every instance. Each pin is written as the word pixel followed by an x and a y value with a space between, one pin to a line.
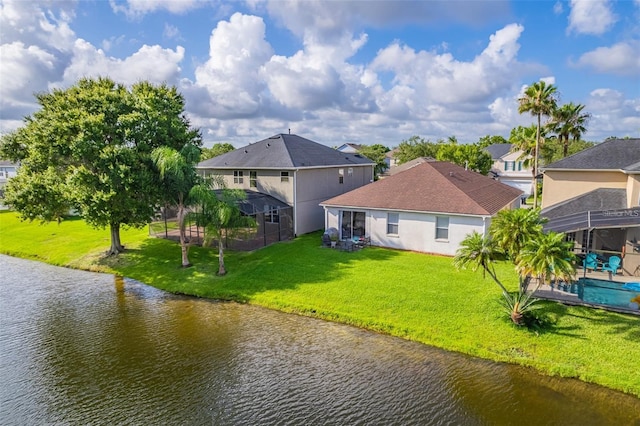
pixel 416 231
pixel 305 189
pixel 314 186
pixel 559 186
pixel 633 190
pixel 520 179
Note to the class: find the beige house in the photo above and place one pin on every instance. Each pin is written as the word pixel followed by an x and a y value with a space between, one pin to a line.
pixel 594 196
pixel 294 170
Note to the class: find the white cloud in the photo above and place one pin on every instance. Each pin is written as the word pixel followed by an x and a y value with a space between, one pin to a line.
pixel 171 32
pixel 620 59
pixel 151 63
pixel 593 17
pixel 612 114
pixel 136 9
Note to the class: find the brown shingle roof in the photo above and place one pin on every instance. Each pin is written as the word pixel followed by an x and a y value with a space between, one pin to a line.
pixel 439 187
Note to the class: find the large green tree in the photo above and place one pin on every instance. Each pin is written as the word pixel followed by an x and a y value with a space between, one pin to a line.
pixel 538 99
pixel 178 175
pixel 215 150
pixel 376 153
pixel 97 136
pixel 415 147
pixel 470 156
pixel 568 123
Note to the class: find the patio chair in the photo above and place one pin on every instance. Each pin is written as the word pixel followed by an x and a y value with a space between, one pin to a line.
pixel 612 265
pixel 590 261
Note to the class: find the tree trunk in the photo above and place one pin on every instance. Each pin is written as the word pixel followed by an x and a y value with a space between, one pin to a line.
pixel 116 248
pixel 535 166
pixel 184 245
pixel 221 269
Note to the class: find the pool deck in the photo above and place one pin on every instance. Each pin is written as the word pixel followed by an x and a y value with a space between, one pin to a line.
pixel 550 293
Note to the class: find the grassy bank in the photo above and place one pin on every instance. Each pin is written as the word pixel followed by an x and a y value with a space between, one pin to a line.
pixel 410 295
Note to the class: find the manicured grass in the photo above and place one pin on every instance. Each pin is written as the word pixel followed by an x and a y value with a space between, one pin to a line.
pixel 410 295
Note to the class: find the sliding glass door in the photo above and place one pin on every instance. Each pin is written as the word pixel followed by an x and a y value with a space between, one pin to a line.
pixel 352 224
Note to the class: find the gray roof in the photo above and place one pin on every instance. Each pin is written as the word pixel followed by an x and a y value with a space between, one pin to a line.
pixel 612 154
pixel 498 150
pixel 284 151
pixel 596 200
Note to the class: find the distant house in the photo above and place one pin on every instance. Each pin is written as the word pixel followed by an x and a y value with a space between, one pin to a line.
pixel 8 170
pixel 409 164
pixel 430 207
pixel 594 197
pixel 294 170
pixel 390 158
pixel 349 148
pixel 508 167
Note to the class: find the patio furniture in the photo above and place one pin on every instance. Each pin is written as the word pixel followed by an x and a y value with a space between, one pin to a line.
pixel 590 261
pixel 612 265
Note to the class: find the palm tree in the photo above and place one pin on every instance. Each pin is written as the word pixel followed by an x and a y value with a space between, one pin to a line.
pixel 511 229
pixel 178 174
pixel 545 255
pixel 569 121
pixel 479 251
pixel 219 213
pixel 539 99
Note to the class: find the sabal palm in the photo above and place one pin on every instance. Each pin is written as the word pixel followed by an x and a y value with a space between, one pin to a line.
pixel 479 251
pixel 511 229
pixel 178 174
pixel 538 99
pixel 569 121
pixel 545 255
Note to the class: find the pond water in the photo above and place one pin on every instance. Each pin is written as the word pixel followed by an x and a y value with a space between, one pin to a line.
pixel 86 348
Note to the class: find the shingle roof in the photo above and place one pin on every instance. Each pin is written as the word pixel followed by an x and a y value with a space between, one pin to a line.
pixel 498 150
pixel 409 164
pixel 612 154
pixel 283 151
pixel 439 187
pixel 598 199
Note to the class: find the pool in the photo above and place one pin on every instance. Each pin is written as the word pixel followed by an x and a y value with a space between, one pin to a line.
pixel 608 293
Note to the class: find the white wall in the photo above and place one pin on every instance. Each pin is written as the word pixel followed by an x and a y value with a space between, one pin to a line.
pixel 416 231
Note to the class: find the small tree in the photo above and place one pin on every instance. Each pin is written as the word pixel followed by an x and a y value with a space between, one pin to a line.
pixel 376 153
pixel 215 150
pixel 219 213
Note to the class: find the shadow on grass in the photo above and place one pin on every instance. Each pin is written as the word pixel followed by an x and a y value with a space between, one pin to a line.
pixel 550 314
pixel 281 266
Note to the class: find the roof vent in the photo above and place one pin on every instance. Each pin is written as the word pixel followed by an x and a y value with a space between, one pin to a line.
pixel 246 152
pixel 450 173
pixel 268 144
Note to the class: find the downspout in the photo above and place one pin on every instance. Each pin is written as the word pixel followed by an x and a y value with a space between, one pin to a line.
pixel 295 203
pixel 484 226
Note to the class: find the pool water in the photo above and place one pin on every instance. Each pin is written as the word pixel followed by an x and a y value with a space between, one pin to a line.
pixel 608 293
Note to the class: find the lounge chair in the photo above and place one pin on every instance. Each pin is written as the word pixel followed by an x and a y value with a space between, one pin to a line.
pixel 590 261
pixel 612 265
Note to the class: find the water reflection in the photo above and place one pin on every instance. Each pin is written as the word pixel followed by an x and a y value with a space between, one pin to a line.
pixel 83 348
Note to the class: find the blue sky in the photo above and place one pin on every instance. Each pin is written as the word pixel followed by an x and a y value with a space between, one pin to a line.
pixel 335 71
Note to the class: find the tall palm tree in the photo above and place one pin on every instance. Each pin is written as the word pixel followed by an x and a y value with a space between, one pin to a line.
pixel 568 121
pixel 479 251
pixel 538 99
pixel 178 175
pixel 511 229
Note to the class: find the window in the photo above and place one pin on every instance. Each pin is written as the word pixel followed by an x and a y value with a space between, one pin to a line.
pixel 271 214
pixel 392 223
pixel 350 171
pixel 238 176
pixel 253 179
pixel 509 165
pixel 284 176
pixel 341 176
pixel 442 228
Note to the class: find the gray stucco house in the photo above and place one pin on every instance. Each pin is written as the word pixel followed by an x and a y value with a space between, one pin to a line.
pixel 297 171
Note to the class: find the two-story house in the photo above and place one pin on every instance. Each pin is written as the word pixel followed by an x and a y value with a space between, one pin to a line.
pixel 508 167
pixel 594 196
pixel 297 171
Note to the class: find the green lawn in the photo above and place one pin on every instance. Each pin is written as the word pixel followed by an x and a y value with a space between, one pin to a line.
pixel 411 295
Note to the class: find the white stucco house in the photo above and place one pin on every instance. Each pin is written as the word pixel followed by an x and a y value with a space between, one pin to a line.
pixel 509 167
pixel 429 208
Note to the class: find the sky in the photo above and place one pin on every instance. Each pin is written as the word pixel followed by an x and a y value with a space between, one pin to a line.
pixel 335 72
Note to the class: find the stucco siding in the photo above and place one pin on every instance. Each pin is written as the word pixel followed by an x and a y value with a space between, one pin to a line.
pixel 416 231
pixel 559 186
pixel 633 190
